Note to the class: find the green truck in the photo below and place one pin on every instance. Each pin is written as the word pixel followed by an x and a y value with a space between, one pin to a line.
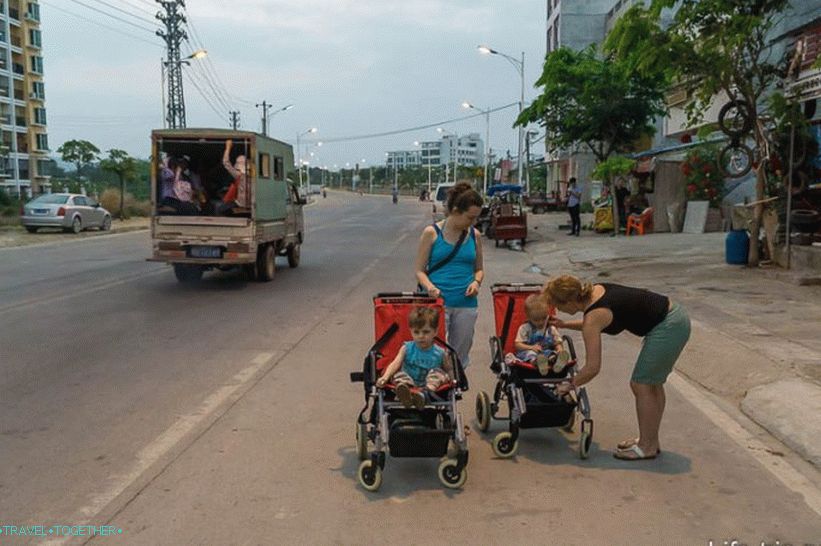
pixel 201 222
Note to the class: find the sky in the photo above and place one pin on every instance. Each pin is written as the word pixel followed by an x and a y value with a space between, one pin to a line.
pixel 349 67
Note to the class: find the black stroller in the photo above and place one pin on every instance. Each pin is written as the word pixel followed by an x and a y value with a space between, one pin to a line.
pixel 531 398
pixel 433 431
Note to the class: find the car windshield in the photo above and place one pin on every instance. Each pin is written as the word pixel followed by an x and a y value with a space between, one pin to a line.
pixel 50 199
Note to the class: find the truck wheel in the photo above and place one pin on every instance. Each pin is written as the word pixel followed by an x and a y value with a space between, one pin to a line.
pixel 187 273
pixel 266 263
pixel 293 255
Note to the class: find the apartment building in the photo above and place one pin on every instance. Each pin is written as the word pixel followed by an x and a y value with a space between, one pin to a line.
pixel 24 150
pixel 466 150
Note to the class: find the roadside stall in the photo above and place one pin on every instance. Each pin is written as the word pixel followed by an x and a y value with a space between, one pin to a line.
pixel 508 219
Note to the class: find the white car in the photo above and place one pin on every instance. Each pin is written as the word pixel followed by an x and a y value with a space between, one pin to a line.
pixel 69 211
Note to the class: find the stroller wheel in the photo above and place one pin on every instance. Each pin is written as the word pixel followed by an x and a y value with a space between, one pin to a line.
pixel 361 441
pixel 450 475
pixel 586 438
pixel 370 475
pixel 504 446
pixel 483 411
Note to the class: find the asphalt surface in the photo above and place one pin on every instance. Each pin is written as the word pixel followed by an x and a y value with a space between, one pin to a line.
pixel 222 413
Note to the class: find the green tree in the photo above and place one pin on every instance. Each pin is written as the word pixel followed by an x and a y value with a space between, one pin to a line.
pixel 79 152
pixel 125 167
pixel 601 102
pixel 708 47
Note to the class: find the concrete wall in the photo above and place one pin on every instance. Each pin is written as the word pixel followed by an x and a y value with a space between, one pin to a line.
pixel 669 190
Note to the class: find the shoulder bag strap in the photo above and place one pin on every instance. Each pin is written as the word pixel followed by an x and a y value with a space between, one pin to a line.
pixel 450 256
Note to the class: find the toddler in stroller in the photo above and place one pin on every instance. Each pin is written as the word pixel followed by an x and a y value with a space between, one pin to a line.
pixel 398 414
pixel 532 398
pixel 537 342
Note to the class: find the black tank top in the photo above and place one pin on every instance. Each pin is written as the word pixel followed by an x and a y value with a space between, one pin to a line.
pixel 634 309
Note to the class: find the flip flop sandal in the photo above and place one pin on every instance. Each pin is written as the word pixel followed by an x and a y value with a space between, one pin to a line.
pixel 637 454
pixel 621 446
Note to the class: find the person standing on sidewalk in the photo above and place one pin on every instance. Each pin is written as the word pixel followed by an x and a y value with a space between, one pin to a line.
pixel 574 196
pixel 449 264
pixel 610 309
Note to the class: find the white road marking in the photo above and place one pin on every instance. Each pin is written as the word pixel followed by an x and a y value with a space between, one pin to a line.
pixel 75 293
pixel 166 441
pixel 776 465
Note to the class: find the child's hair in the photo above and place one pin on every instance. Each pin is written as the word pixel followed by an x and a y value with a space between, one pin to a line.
pixel 567 288
pixel 420 317
pixel 535 306
pixel 462 196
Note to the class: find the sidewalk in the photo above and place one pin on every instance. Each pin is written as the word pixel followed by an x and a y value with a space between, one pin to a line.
pixel 11 236
pixel 755 332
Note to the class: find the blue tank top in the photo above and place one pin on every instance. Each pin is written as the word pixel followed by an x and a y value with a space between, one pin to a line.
pixel 454 277
pixel 419 362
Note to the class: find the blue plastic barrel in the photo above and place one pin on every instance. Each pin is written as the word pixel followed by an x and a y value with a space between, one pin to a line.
pixel 736 246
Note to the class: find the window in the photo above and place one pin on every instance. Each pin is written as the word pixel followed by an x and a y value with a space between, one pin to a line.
pixel 265 165
pixel 40 116
pixel 80 201
pixel 35 38
pixel 42 142
pixel 279 168
pixel 91 202
pixel 37 64
pixel 33 12
pixel 38 90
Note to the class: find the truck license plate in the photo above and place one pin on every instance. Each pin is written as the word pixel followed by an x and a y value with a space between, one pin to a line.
pixel 205 252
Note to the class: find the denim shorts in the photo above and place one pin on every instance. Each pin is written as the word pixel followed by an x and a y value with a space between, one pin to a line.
pixel 661 348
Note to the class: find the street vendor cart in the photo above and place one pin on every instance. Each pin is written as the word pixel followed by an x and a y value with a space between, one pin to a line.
pixel 508 219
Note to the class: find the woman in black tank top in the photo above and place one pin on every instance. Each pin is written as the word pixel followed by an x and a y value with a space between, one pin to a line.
pixel 610 309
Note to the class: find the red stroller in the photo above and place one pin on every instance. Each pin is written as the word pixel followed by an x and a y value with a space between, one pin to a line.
pixel 436 430
pixel 531 398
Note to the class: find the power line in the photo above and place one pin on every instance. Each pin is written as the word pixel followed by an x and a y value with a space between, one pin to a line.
pixel 113 16
pixel 199 73
pixel 204 96
pixel 126 12
pixel 419 128
pixel 135 6
pixel 98 23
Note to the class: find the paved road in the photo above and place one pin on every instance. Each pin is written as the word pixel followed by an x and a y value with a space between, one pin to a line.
pixel 222 414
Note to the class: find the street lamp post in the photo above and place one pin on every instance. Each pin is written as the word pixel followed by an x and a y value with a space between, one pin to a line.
pixel 299 153
pixel 486 112
pixel 266 116
pixel 520 67
pixel 198 54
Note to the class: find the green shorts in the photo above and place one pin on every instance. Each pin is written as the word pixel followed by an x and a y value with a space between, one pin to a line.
pixel 661 347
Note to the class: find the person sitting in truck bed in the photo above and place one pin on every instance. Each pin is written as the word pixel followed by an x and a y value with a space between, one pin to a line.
pixel 237 195
pixel 177 189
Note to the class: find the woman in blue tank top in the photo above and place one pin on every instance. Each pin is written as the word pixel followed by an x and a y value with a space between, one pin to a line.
pixel 610 309
pixel 456 277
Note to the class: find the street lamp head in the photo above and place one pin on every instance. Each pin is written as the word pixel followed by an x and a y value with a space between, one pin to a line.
pixel 485 50
pixel 319 143
pixel 313 130
pixel 467 106
pixel 440 130
pixel 198 54
pixel 287 107
pixel 416 143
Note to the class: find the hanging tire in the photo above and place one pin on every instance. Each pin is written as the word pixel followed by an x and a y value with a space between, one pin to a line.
pixel 450 475
pixel 735 160
pixel 735 118
pixel 483 411
pixel 370 475
pixel 504 446
pixel 187 273
pixel 266 263
pixel 361 441
pixel 293 255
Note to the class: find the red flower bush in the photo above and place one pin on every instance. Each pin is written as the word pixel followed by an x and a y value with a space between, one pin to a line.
pixel 703 177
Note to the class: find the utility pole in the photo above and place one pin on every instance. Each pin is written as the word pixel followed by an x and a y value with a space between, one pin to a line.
pixel 265 107
pixel 173 36
pixel 234 120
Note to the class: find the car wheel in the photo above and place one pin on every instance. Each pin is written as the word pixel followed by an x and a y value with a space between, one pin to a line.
pixel 76 225
pixel 106 225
